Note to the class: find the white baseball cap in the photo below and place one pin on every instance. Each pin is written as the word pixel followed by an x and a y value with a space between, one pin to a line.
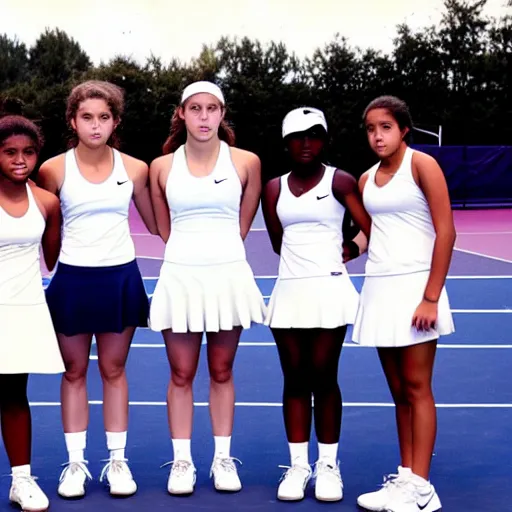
pixel 202 87
pixel 302 119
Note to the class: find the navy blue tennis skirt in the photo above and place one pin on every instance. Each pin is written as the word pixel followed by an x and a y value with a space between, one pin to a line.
pixel 97 299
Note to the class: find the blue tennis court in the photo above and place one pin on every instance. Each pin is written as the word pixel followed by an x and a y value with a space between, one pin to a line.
pixel 472 467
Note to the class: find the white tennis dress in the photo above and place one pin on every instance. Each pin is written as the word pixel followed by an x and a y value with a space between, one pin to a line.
pixel 399 260
pixel 205 282
pixel 313 288
pixel 28 343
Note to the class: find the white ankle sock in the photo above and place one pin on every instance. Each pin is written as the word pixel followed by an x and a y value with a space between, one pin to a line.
pixel 328 453
pixel 20 470
pixel 75 444
pixel 299 453
pixel 116 444
pixel 181 448
pixel 222 446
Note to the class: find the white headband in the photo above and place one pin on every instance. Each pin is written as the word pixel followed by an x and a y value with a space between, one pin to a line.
pixel 202 87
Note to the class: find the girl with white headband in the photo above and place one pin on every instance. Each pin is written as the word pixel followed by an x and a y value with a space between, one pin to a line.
pixel 205 195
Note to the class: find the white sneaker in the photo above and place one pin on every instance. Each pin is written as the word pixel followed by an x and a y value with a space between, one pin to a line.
pixel 293 483
pixel 182 477
pixel 413 498
pixel 73 479
pixel 119 477
pixel 27 494
pixel 328 482
pixel 225 475
pixel 377 501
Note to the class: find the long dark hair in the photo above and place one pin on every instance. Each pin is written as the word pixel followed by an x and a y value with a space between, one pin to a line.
pixel 178 132
pixel 398 110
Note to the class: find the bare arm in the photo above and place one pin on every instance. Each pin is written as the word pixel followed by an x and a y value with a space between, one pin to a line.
pixel 157 182
pixel 345 190
pixel 251 194
pixel 51 240
pixel 433 184
pixel 142 197
pixel 51 174
pixel 269 207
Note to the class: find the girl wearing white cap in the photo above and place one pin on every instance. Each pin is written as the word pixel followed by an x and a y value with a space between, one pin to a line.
pixel 313 299
pixel 404 306
pixel 205 195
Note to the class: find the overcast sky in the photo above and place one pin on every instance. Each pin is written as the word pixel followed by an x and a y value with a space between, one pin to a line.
pixel 172 28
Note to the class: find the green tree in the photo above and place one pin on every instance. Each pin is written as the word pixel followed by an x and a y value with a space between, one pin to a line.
pixel 56 58
pixel 13 61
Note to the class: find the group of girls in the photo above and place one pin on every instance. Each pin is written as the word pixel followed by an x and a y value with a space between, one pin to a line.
pixel 201 197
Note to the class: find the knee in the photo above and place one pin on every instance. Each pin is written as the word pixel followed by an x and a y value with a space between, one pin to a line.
pixel 324 382
pixel 13 394
pixel 182 377
pixel 297 383
pixel 111 371
pixel 75 373
pixel 398 392
pixel 221 374
pixel 416 390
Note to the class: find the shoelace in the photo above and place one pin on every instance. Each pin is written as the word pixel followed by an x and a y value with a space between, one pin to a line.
pixel 73 467
pixel 390 479
pixel 329 469
pixel 407 491
pixel 292 470
pixel 26 482
pixel 225 463
pixel 116 466
pixel 179 467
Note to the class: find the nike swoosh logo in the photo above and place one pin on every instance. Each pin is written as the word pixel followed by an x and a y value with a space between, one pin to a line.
pixel 122 182
pixel 322 197
pixel 220 181
pixel 423 507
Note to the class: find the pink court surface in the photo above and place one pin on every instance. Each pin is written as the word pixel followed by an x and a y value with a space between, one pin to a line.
pixel 484 234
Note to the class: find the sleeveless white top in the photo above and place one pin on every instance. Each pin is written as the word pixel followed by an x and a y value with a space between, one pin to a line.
pixel 312 230
pixel 204 213
pixel 402 235
pixel 96 232
pixel 20 242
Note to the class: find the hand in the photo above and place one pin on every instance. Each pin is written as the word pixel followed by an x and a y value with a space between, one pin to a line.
pixel 425 316
pixel 350 251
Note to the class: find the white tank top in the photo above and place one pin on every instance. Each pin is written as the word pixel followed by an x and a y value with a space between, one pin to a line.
pixel 21 282
pixel 204 212
pixel 96 232
pixel 312 230
pixel 402 235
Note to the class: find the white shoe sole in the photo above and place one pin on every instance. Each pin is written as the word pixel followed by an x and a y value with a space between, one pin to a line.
pixel 227 489
pixel 328 498
pixel 30 509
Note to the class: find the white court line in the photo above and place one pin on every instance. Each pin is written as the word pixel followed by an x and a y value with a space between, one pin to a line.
pixel 277 404
pixel 345 345
pixel 258 230
pixel 485 233
pixel 158 236
pixel 463 311
pixel 474 253
pixel 481 311
pixel 155 278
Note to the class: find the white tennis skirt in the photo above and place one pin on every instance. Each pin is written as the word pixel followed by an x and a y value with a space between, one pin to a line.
pixel 28 343
pixel 387 307
pixel 213 298
pixel 325 302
